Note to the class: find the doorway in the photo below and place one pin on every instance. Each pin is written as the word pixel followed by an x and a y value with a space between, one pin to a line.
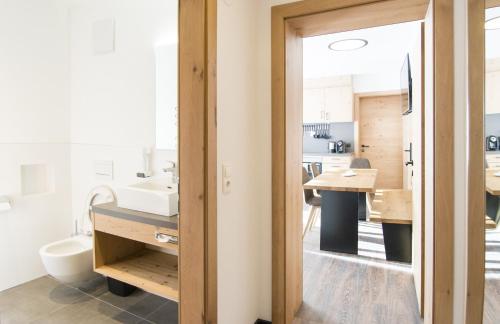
pixel 292 22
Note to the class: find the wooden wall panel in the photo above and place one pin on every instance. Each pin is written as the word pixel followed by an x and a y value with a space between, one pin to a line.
pixel 293 166
pixel 443 161
pixel 197 162
pixel 476 175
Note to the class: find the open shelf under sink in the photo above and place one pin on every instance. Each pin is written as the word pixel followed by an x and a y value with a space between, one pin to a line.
pixel 152 271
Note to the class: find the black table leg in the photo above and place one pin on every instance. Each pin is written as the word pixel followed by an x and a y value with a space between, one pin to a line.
pixel 362 206
pixel 397 242
pixel 339 221
pixel 492 206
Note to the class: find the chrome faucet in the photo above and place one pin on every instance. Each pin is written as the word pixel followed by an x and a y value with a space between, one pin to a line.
pixel 170 168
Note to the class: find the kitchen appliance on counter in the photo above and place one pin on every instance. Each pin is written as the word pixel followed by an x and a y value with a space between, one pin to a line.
pixel 332 147
pixel 340 147
pixel 491 143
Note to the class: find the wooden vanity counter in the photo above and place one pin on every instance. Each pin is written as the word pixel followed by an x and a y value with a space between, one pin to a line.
pixel 137 248
pixel 111 209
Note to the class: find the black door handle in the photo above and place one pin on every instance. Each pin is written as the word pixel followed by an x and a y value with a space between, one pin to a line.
pixel 362 145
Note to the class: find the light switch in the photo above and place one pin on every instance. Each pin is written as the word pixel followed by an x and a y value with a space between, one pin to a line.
pixel 226 178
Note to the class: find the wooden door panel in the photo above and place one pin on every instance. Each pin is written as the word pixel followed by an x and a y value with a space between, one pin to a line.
pixel 380 129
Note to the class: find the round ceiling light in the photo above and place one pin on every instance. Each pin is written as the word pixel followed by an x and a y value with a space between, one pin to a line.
pixel 348 44
pixel 493 23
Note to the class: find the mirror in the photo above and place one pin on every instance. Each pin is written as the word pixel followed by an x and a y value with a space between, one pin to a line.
pixel 492 158
pixel 166 96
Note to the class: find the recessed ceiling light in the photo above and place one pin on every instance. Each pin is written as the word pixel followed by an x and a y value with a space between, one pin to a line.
pixel 348 44
pixel 493 23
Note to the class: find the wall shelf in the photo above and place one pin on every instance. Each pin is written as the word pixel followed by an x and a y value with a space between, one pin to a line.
pixel 152 271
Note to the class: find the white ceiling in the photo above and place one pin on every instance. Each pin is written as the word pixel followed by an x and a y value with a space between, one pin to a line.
pixel 385 52
pixel 386 49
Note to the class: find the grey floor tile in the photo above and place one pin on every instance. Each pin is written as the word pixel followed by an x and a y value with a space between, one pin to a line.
pixel 36 298
pixel 166 314
pixel 139 303
pixel 94 287
pixel 91 311
pixel 45 300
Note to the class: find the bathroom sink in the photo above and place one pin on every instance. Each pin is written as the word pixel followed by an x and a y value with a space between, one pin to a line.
pixel 153 196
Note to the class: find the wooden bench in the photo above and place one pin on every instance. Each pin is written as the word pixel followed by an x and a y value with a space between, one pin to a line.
pixel 393 208
pixel 489 223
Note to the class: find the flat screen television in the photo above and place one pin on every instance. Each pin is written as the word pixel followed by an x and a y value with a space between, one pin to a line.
pixel 406 87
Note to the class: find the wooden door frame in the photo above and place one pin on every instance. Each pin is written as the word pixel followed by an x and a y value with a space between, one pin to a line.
pixel 315 17
pixel 476 146
pixel 197 162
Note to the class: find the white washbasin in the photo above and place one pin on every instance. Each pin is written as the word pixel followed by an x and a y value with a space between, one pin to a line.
pixel 153 196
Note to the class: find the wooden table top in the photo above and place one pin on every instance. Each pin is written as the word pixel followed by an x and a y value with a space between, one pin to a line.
pixel 391 206
pixel 492 182
pixel 363 181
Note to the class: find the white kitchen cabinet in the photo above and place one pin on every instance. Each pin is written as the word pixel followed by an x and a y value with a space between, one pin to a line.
pixel 492 92
pixel 314 105
pixel 338 104
pixel 331 163
pixel 328 100
pixel 493 160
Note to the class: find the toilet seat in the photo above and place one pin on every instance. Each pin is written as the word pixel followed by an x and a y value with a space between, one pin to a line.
pixel 69 260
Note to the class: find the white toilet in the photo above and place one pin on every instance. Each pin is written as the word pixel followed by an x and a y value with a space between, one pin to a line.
pixel 71 260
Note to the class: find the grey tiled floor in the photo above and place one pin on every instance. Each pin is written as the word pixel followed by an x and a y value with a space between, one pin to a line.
pixel 45 300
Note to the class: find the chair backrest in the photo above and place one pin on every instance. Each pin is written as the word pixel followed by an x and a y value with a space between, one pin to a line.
pixel 315 169
pixel 360 163
pixel 308 193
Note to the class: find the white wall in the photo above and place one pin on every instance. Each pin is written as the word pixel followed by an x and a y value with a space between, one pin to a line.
pixel 376 82
pixel 113 95
pixel 34 128
pixel 243 142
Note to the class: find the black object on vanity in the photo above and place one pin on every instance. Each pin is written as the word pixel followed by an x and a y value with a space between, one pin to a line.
pixel 120 288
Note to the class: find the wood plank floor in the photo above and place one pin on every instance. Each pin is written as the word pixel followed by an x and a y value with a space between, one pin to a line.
pixel 340 288
pixel 491 314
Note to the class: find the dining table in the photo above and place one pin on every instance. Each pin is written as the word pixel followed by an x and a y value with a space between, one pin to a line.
pixel 343 193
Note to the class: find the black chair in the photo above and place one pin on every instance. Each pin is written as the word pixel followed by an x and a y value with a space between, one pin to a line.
pixel 361 163
pixel 312 200
pixel 315 169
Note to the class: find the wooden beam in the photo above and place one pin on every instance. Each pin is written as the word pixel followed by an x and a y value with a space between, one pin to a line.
pixel 476 174
pixel 358 17
pixel 443 161
pixel 491 3
pixel 197 162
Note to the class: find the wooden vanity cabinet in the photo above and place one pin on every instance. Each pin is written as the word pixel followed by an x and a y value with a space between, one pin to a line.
pixel 136 253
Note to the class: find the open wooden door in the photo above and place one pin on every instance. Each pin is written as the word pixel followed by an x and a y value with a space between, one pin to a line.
pixel 294 200
pixel 429 158
pixel 417 170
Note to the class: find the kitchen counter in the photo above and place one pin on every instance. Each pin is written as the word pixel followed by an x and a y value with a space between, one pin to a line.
pixel 111 209
pixel 331 154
